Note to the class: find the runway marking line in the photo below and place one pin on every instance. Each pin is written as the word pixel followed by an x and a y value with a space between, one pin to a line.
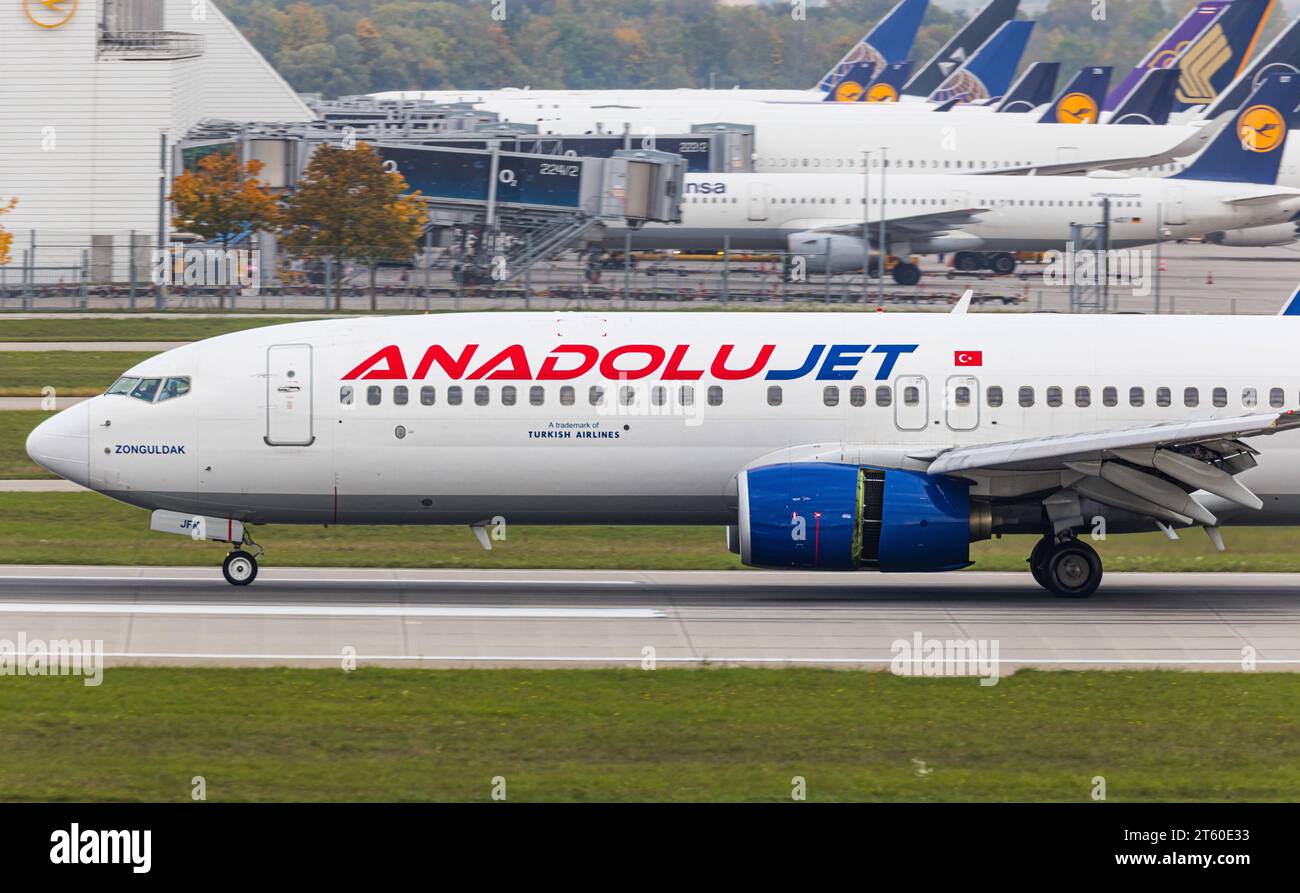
pixel 170 655
pixel 347 580
pixel 324 610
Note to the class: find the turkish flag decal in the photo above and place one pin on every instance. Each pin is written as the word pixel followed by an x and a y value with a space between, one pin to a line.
pixel 968 358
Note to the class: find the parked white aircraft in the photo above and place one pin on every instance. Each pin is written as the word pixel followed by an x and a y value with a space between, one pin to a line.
pixel 1230 186
pixel 831 441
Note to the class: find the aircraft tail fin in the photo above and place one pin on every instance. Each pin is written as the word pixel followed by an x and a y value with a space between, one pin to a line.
pixel 1249 148
pixel 1080 101
pixel 890 41
pixel 1283 54
pixel 1152 101
pixel 854 84
pixel 990 70
pixel 1036 87
pixel 960 47
pixel 889 86
pixel 1292 306
pixel 1213 60
pixel 1165 54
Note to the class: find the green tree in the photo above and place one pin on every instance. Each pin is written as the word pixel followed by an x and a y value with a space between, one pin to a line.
pixel 347 207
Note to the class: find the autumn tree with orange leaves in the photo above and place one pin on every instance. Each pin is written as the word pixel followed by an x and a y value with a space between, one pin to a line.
pixel 347 207
pixel 6 237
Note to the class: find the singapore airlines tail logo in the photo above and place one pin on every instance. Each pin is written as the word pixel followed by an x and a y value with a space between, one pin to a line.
pixel 49 13
pixel 1261 128
pixel 1076 108
pixel 882 93
pixel 1201 63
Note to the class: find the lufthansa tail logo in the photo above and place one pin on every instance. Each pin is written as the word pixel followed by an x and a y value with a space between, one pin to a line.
pixel 882 93
pixel 848 91
pixel 49 13
pixel 1076 108
pixel 1261 128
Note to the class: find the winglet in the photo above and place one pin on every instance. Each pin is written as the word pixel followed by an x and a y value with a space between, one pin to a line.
pixel 963 304
pixel 1292 307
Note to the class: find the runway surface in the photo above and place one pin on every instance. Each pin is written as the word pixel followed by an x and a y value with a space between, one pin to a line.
pixel 448 618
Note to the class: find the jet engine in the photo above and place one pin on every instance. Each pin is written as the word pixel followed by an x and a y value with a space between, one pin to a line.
pixel 1256 237
pixel 829 252
pixel 833 516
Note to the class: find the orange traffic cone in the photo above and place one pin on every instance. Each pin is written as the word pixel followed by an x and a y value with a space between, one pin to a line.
pixel 1164 267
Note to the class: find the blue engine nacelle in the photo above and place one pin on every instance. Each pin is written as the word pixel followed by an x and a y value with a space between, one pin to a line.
pixel 830 516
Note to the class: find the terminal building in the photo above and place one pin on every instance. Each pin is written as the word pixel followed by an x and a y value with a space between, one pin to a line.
pixel 89 90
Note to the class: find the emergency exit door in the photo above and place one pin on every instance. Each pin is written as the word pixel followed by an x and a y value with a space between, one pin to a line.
pixel 911 402
pixel 961 404
pixel 757 201
pixel 288 395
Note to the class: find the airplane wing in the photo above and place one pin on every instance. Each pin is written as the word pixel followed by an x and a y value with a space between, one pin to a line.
pixel 1256 198
pixel 1150 470
pixel 915 226
pixel 1074 166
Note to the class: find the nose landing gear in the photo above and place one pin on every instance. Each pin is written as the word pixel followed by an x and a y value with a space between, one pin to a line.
pixel 1067 568
pixel 240 567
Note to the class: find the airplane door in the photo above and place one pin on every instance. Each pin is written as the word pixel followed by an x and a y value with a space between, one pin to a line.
pixel 960 198
pixel 757 201
pixel 911 402
pixel 1176 205
pixel 961 405
pixel 288 395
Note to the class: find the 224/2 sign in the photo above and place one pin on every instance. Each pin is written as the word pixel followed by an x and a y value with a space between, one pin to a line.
pixel 560 170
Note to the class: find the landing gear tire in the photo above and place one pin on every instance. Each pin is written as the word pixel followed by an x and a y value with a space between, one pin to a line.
pixel 1072 569
pixel 1037 561
pixel 1003 264
pixel 239 568
pixel 967 262
pixel 907 274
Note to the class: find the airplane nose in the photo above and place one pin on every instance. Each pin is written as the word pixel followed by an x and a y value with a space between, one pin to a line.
pixel 61 444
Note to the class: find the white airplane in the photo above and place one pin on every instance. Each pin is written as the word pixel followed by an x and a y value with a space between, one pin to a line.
pixel 828 441
pixel 1229 187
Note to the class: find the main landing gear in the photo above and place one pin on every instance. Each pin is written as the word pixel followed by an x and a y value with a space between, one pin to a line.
pixel 905 273
pixel 240 567
pixel 1067 567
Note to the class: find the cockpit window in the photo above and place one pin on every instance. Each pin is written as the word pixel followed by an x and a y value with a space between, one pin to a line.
pixel 147 389
pixel 123 386
pixel 174 387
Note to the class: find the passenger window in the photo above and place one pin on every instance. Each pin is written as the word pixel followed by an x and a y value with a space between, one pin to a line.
pixel 454 395
pixel 536 395
pixel 831 395
pixel 1276 398
pixel 627 395
pixel 715 395
pixel 1026 396
pixel 884 395
pixel 1220 397
pixel 508 396
pixel 596 396
pixel 147 389
pixel 1083 396
pixel 481 395
pixel 1136 397
pixel 911 396
pixel 687 395
pixel 658 395
pixel 961 395
pixel 1249 398
pixel 345 395
pixel 174 387
pixel 994 396
pixel 567 395
pixel 1055 396
pixel 401 395
pixel 774 395
pixel 1164 397
pixel 374 394
pixel 1109 397
pixel 858 396
pixel 1191 397
pixel 427 395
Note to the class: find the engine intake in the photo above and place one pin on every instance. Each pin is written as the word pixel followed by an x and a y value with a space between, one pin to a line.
pixel 832 516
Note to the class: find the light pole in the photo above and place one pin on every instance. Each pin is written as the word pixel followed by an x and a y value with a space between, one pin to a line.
pixel 884 245
pixel 866 227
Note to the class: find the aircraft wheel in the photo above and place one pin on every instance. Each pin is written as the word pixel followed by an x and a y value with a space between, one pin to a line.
pixel 1004 264
pixel 966 262
pixel 1072 569
pixel 907 274
pixel 1037 561
pixel 239 568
